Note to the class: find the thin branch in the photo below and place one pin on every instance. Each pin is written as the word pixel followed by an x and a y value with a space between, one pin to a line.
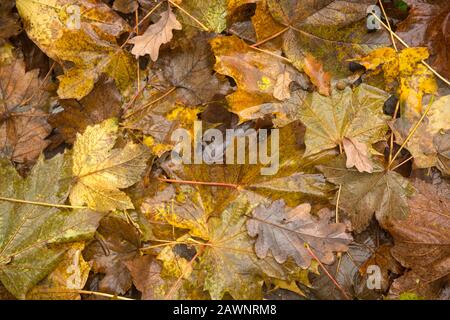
pixel 327 273
pixel 44 204
pixel 101 294
pixel 402 163
pixel 205 28
pixel 411 133
pixel 217 184
pixel 406 45
pixel 388 23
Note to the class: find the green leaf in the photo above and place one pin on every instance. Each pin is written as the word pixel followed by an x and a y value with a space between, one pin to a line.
pixel 32 236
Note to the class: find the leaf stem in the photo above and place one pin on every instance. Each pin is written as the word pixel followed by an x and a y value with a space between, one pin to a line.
pixel 411 133
pixel 205 28
pixel 217 184
pixel 391 141
pixel 326 271
pixel 165 94
pixel 45 204
pixel 270 38
pixel 406 45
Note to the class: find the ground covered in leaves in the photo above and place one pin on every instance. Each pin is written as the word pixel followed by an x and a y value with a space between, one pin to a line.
pixel 93 207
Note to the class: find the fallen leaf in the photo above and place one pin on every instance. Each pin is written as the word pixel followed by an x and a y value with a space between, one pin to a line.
pixel 382 192
pixel 212 13
pixel 281 88
pixel 354 114
pixel 117 244
pixel 318 76
pixel 100 171
pixel 427 26
pixel 286 232
pixel 23 124
pixel 125 6
pixel 33 237
pixel 156 35
pixel 357 155
pixel 9 22
pixel 429 145
pixel 413 78
pixel 102 103
pixel 85 46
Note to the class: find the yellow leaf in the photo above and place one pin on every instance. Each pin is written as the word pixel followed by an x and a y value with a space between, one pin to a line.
pixel 100 171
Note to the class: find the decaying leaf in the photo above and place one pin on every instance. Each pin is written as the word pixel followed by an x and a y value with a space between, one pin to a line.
pixel 345 114
pixel 23 124
pixel 422 241
pixel 82 38
pixel 100 171
pixel 156 35
pixel 102 103
pixel 430 143
pixel 286 231
pixel 414 79
pixel 33 237
pixel 382 192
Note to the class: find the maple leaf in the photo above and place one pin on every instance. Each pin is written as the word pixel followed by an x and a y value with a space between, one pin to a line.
pixel 329 30
pixel 429 144
pixel 414 79
pixel 212 13
pixel 286 231
pixel 426 26
pixel 100 171
pixel 422 241
pixel 86 50
pixel 354 114
pixel 256 73
pixel 102 103
pixel 156 35
pixel 33 237
pixel 23 125
pixel 382 192
pixel 119 243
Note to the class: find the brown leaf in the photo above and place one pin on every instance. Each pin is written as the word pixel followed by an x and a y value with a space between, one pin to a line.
pixel 125 6
pixel 102 103
pixel 357 155
pixel 321 79
pixel 156 35
pixel 119 242
pixel 23 127
pixel 146 274
pixel 428 24
pixel 285 232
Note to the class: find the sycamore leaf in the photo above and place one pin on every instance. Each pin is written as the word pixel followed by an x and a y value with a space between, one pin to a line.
pixel 286 231
pixel 256 73
pixel 357 155
pixel 23 125
pixel 212 13
pixel 102 103
pixel 427 26
pixel 85 46
pixel 422 241
pixel 100 171
pixel 382 192
pixel 345 114
pixel 71 274
pixel 430 143
pixel 414 79
pixel 156 35
pixel 119 243
pixel 330 30
pixel 33 237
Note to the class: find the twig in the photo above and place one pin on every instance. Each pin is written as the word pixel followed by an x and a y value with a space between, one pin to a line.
pixel 107 295
pixel 388 23
pixel 402 163
pixel 45 204
pixel 411 133
pixel 217 184
pixel 406 45
pixel 327 273
pixel 205 28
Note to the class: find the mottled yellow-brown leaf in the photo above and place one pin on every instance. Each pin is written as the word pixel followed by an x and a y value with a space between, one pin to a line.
pixel 100 171
pixel 81 36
